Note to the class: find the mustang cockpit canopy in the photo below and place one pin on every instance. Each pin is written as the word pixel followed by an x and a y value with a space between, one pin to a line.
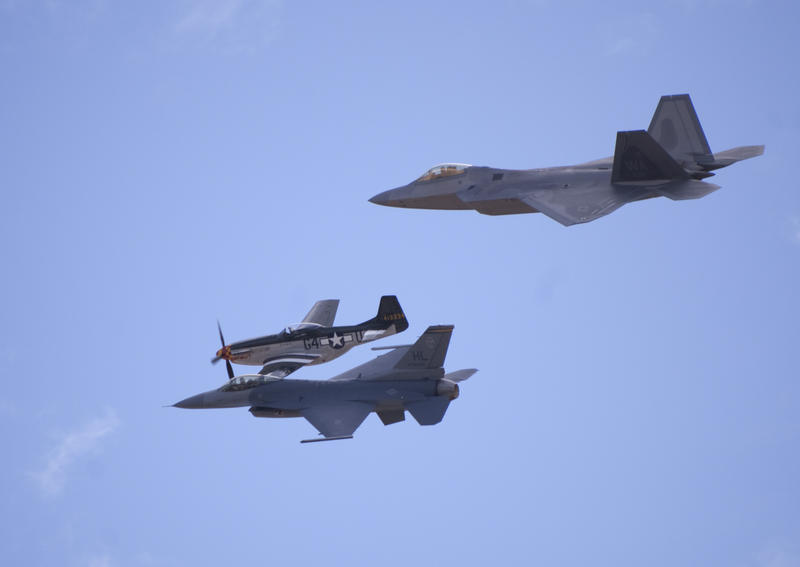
pixel 444 170
pixel 291 329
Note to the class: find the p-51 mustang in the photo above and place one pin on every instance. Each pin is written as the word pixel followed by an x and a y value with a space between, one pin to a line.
pixel 408 378
pixel 313 341
pixel 670 159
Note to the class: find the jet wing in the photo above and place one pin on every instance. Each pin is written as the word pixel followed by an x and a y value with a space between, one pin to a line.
pixel 567 204
pixel 339 419
pixel 323 313
pixel 577 206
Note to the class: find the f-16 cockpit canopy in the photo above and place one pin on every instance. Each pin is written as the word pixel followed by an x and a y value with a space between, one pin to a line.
pixel 245 382
pixel 444 170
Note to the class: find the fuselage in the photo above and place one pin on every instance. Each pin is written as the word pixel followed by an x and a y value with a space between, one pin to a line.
pixel 669 159
pixel 497 191
pixel 306 345
pixel 284 398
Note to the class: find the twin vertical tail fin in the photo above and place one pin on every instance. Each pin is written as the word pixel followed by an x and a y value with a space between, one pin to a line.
pixel 676 129
pixel 673 154
pixel 640 160
pixel 673 146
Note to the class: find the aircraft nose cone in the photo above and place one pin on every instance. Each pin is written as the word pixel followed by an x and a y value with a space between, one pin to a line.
pixel 392 197
pixel 192 402
pixel 381 198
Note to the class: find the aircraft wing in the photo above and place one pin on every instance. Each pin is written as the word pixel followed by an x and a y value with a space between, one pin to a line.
pixel 576 206
pixel 287 363
pixel 337 419
pixel 278 372
pixel 323 313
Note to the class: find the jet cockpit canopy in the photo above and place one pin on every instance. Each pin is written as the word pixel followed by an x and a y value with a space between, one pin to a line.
pixel 444 170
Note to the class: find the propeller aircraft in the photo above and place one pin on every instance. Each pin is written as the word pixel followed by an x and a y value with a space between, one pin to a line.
pixel 408 378
pixel 313 341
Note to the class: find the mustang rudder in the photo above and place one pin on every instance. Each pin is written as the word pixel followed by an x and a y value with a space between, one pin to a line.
pixel 389 311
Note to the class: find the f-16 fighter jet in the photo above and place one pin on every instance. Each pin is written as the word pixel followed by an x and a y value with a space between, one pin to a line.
pixel 670 159
pixel 408 378
pixel 313 341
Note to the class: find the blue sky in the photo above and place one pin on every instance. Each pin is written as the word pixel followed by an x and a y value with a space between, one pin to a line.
pixel 169 163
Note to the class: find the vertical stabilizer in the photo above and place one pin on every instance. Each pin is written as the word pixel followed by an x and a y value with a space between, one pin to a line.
pixel 676 128
pixel 640 160
pixel 389 311
pixel 429 351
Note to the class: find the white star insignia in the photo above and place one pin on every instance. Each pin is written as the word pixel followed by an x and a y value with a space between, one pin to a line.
pixel 336 340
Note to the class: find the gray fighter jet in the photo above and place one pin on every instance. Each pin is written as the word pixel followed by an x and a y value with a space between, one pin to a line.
pixel 313 341
pixel 670 159
pixel 408 377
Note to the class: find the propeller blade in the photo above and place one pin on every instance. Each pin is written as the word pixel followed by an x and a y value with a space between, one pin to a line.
pixel 221 338
pixel 217 358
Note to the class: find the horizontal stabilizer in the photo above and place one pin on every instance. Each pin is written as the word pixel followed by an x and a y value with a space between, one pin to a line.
pixel 728 157
pixel 459 375
pixel 639 160
pixel 429 351
pixel 429 411
pixel 682 190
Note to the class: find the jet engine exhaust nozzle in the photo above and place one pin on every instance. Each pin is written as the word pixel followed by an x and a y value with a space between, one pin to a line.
pixel 447 388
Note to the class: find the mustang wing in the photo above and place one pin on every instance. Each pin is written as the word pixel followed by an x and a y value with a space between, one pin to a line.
pixel 339 419
pixel 287 363
pixel 323 313
pixel 278 371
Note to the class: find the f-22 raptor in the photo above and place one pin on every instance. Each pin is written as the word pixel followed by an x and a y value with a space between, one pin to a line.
pixel 408 378
pixel 313 341
pixel 670 159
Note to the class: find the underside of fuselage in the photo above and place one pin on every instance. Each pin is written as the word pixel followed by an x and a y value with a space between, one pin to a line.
pixel 295 395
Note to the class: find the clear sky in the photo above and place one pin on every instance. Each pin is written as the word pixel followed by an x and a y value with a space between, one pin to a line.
pixel 168 163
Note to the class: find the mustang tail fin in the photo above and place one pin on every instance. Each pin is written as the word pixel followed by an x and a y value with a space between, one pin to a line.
pixel 640 160
pixel 429 351
pixel 389 311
